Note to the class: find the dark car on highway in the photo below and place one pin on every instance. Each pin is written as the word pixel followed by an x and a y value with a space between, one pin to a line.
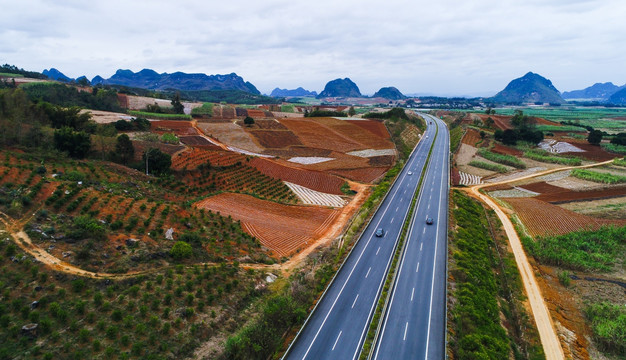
pixel 379 232
pixel 429 221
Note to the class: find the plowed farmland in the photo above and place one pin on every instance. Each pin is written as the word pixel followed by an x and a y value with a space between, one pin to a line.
pixel 198 141
pixel 542 218
pixel 366 175
pixel 501 149
pixel 194 157
pixel 356 133
pixel 375 127
pixel 282 228
pixel 315 135
pixel 179 128
pixel 275 139
pixel 315 180
pixel 471 137
pixel 556 194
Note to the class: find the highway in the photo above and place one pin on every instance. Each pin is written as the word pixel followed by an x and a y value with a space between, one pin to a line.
pixel 337 327
pixel 413 326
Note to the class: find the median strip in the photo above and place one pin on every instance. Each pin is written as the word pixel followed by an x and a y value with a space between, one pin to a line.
pixel 372 334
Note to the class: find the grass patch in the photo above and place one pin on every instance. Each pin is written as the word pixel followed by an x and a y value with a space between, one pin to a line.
pixel 456 135
pixel 160 116
pixel 476 314
pixel 488 166
pixel 580 250
pixel 618 149
pixel 608 322
pixel 552 128
pixel 502 159
pixel 11 75
pixel 620 162
pixel 547 157
pixel 598 176
pixel 205 109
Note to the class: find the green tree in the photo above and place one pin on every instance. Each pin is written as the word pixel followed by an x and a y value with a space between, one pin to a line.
pixel 76 143
pixel 595 137
pixel 248 121
pixel 351 111
pixel 124 149
pixel 179 108
pixel 157 161
pixel 181 250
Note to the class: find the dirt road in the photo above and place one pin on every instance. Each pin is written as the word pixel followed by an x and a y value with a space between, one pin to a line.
pixel 547 332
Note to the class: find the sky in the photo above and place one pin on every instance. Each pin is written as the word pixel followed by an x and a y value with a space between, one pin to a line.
pixel 443 47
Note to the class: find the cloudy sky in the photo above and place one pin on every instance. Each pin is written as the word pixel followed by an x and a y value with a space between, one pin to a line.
pixel 445 47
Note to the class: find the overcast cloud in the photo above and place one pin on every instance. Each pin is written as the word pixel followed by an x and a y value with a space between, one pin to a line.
pixel 449 47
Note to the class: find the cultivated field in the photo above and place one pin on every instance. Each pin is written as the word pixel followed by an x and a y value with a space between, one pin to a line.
pixel 282 228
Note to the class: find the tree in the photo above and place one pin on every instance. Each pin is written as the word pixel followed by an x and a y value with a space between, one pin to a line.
pixel 181 250
pixel 124 149
pixel 158 162
pixel 76 143
pixel 248 121
pixel 595 137
pixel 619 139
pixel 351 111
pixel 509 137
pixel 179 108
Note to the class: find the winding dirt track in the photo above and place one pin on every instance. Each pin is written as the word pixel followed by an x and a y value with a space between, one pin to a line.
pixel 547 333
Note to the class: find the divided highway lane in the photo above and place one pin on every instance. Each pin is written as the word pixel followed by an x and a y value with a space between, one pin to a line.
pixel 337 326
pixel 414 323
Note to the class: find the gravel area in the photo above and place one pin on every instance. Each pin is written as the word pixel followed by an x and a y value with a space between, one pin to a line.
pixel 555 176
pixel 371 153
pixel 516 175
pixel 515 192
pixel 307 160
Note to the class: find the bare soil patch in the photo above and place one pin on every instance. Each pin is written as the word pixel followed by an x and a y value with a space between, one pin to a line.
pixel 231 134
pixel 363 175
pixel 178 127
pixel 315 180
pixel 275 139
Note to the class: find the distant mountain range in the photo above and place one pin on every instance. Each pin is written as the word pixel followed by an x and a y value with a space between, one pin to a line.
pixel 530 88
pixel 390 93
pixel 598 92
pixel 295 92
pixel 340 88
pixel 150 79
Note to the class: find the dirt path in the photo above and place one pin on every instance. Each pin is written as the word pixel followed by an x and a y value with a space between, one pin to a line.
pixel 25 243
pixel 547 332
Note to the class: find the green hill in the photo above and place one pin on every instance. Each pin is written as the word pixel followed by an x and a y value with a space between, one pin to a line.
pixel 531 88
pixel 340 88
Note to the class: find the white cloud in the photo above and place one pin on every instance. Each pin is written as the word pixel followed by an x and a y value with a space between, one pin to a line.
pixel 448 46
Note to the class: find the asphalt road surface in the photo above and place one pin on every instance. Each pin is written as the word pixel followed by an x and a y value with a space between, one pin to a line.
pixel 413 326
pixel 337 327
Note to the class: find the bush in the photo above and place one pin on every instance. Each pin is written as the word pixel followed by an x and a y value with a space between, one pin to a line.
pixel 488 166
pixel 502 159
pixel 609 324
pixel 598 176
pixel 181 250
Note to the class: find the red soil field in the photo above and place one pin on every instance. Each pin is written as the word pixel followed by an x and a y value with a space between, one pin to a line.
pixel 315 135
pixel 263 125
pixel 180 128
pixel 592 152
pixel 194 157
pixel 471 137
pixel 455 177
pixel 197 141
pixel 356 133
pixel 315 180
pixel 503 122
pixel 281 228
pixel 499 187
pixel 556 194
pixel 544 219
pixel 341 162
pixel 364 175
pixel 384 160
pixel 374 126
pixel 256 114
pixel 275 139
pixel 501 149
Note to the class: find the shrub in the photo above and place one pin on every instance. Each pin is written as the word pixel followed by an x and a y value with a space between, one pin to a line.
pixel 181 250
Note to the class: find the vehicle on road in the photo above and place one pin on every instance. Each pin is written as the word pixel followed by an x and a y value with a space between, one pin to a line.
pixel 410 173
pixel 380 232
pixel 429 221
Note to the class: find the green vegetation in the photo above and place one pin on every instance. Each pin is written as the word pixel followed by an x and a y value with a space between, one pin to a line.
pixel 509 160
pixel 581 250
pixel 170 138
pixel 456 134
pixel 12 70
pixel 552 128
pixel 476 323
pixel 205 110
pixel 617 149
pixel 598 176
pixel 160 116
pixel 66 96
pixel 288 108
pixel 620 162
pixel 325 113
pixel 3 74
pixel 227 96
pixel 548 157
pixel 598 118
pixel 489 166
pixel 524 129
pixel 608 322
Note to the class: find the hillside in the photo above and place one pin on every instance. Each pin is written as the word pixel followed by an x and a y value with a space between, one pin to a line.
pixel 390 93
pixel 55 74
pixel 294 92
pixel 597 91
pixel 618 98
pixel 531 88
pixel 340 88
pixel 150 79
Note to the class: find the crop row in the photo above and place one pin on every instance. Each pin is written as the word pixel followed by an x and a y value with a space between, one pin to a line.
pixel 598 176
pixel 546 157
pixel 502 158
